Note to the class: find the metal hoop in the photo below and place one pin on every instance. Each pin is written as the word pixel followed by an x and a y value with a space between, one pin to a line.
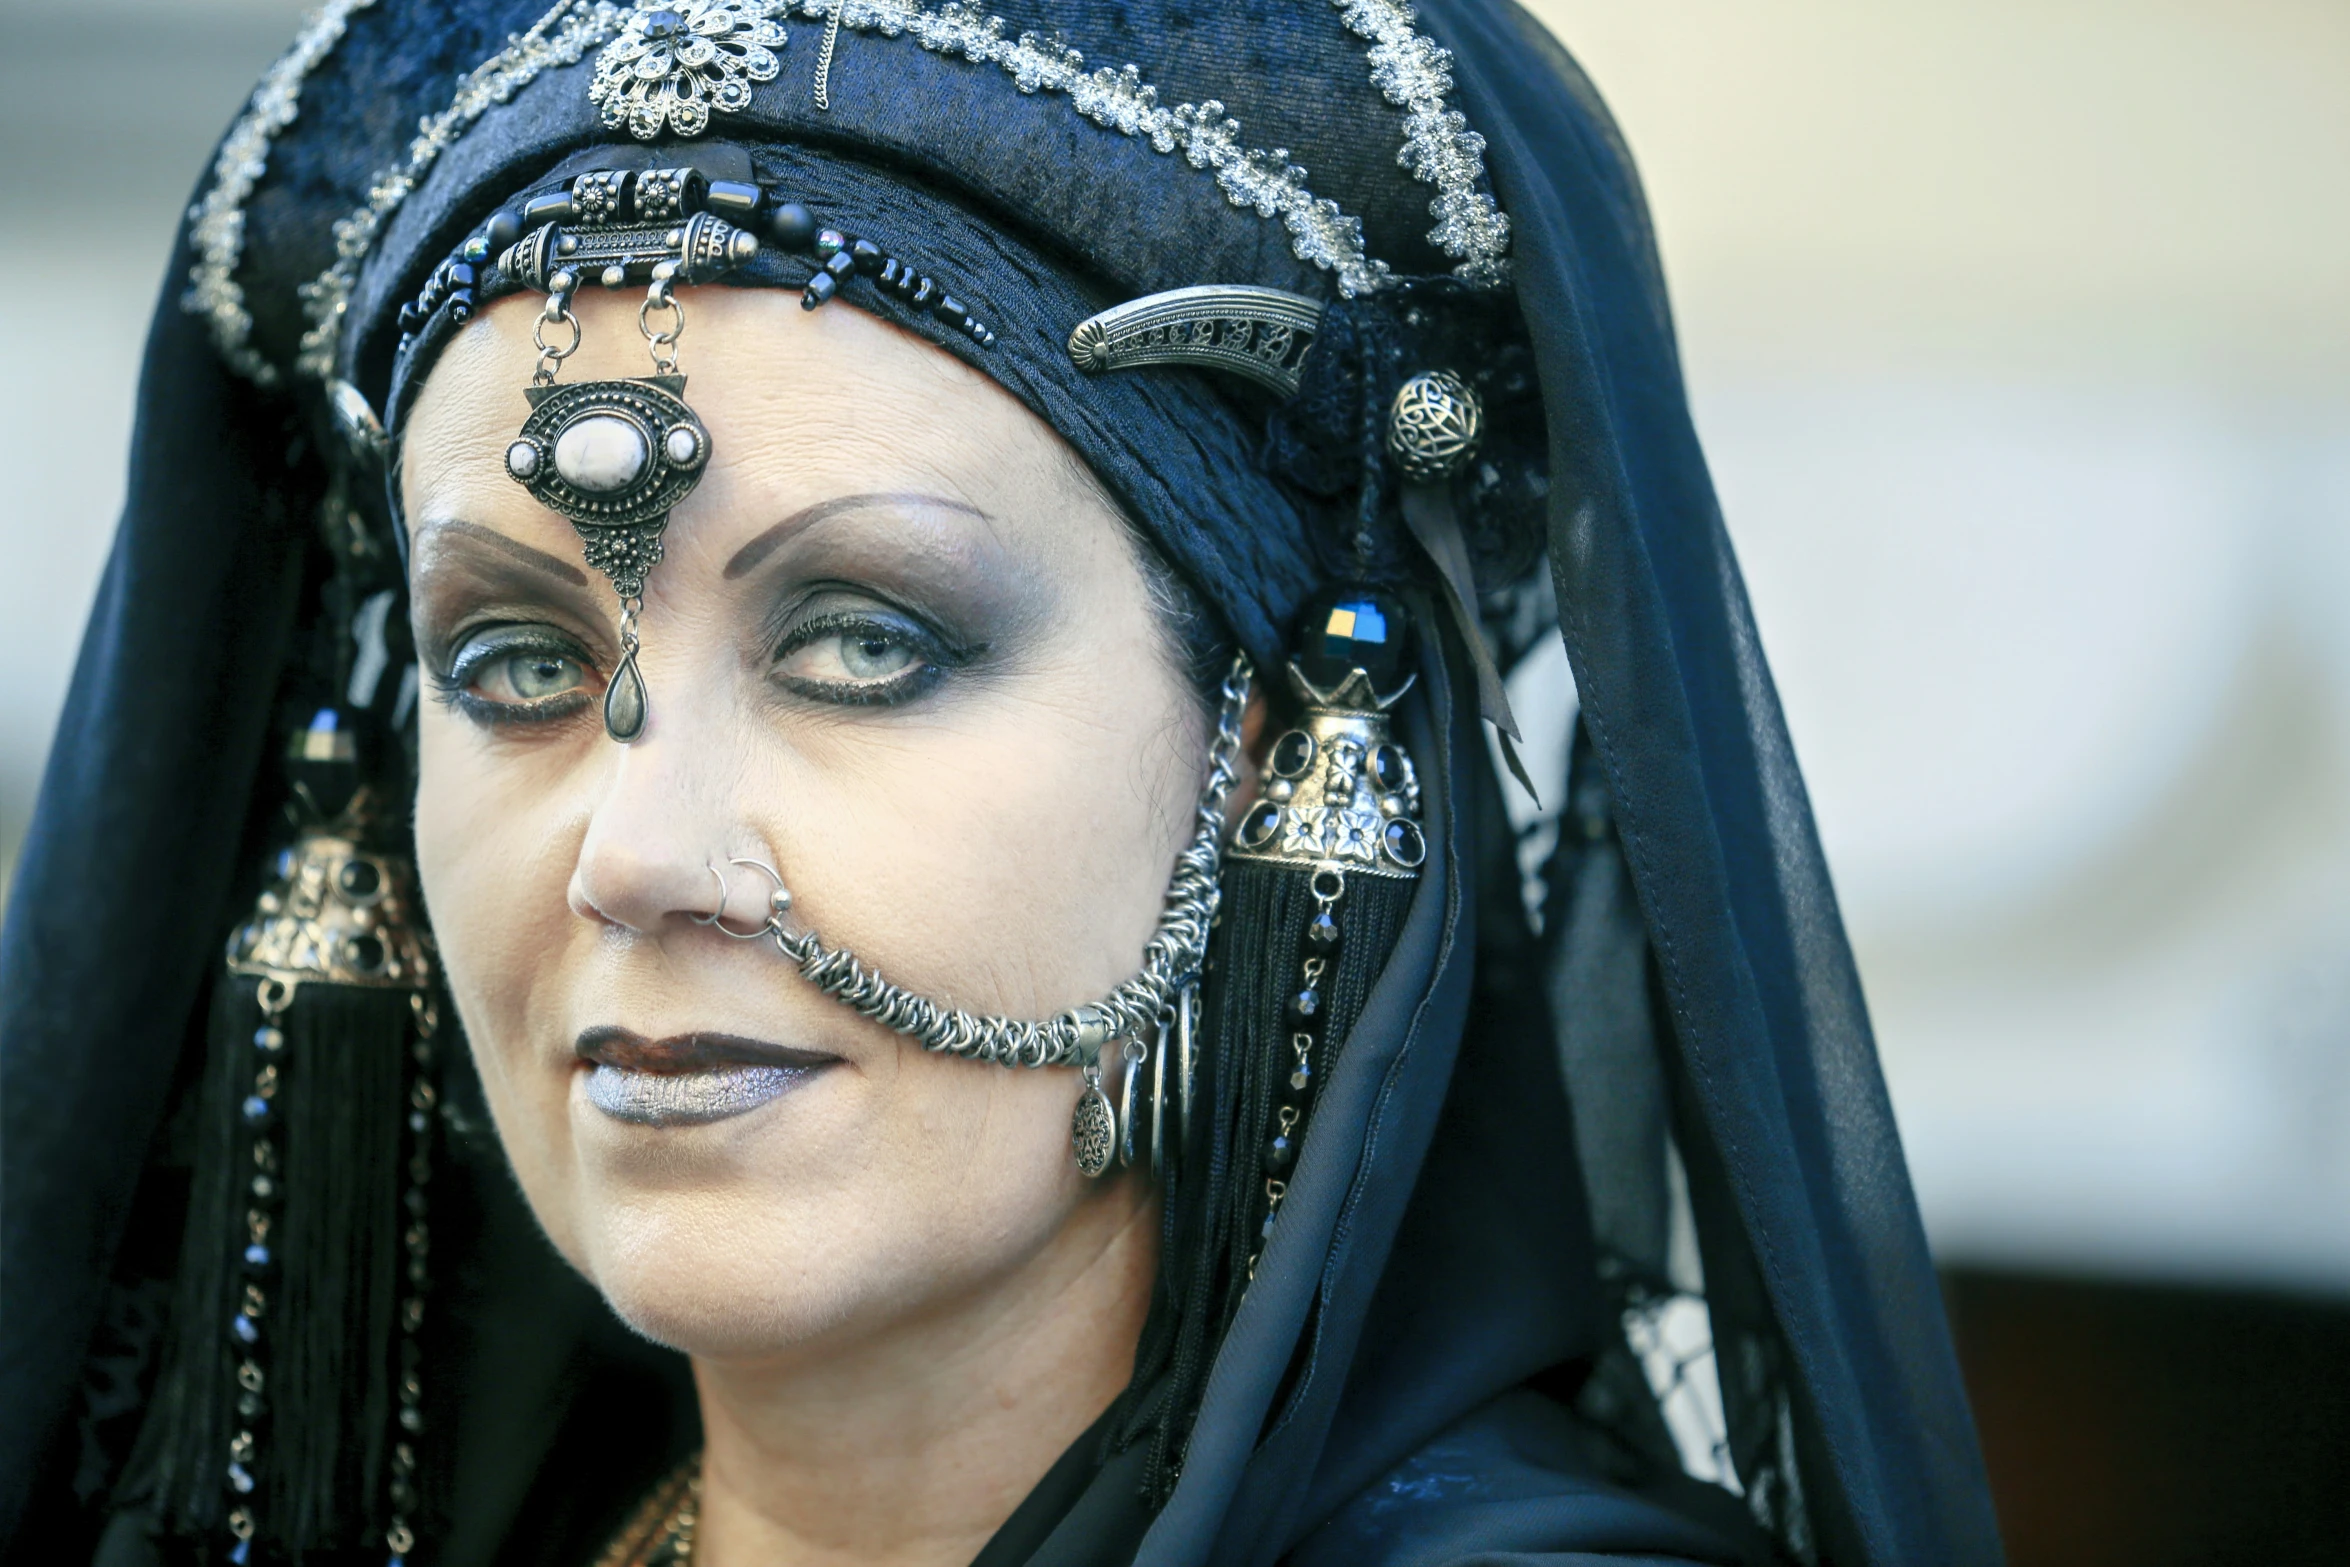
pixel 712 867
pixel 778 901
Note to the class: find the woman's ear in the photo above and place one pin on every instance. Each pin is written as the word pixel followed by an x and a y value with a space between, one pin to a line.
pixel 1256 736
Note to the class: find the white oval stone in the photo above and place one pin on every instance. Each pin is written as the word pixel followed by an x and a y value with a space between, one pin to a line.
pixel 601 454
pixel 685 447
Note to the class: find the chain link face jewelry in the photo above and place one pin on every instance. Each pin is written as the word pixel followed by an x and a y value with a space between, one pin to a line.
pixel 1165 987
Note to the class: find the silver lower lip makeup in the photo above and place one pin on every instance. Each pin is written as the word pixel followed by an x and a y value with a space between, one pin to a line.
pixel 688 1079
pixel 688 1098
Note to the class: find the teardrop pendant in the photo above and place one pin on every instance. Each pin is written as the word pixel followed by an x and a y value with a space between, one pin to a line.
pixel 624 701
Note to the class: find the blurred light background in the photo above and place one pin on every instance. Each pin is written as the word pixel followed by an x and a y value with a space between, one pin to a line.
pixel 2019 336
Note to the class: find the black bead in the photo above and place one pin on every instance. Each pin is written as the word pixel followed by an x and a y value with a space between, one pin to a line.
pixel 950 310
pixel 1387 768
pixel 269 1039
pixel 792 225
pixel 256 1110
pixel 866 256
pixel 251 1406
pixel 1306 1005
pixel 1322 930
pixel 553 207
pixel 1293 753
pixel 364 953
pixel 1353 627
pixel 891 270
pixel 841 262
pixel 1405 845
pixel 1280 1153
pixel 1301 1077
pixel 461 306
pixel 359 878
pixel 924 292
pixel 731 196
pixel 504 229
pixel 408 321
pixel 460 274
pixel 1259 825
pixel 820 288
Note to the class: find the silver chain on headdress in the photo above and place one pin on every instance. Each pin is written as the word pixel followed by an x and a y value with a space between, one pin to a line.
pixel 1170 960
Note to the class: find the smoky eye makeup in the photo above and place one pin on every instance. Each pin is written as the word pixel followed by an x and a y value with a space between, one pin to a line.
pixel 505 674
pixel 851 648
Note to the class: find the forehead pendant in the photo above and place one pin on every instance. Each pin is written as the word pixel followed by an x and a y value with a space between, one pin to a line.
pixel 615 457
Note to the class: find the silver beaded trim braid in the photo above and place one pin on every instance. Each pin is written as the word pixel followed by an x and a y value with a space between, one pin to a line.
pixel 1409 70
pixel 1170 961
pixel 500 77
pixel 217 223
pixel 1439 148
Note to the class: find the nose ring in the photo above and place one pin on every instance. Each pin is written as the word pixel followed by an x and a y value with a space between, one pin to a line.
pixel 777 903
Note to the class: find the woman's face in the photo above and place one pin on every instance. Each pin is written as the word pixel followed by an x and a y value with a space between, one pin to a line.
pixel 901 649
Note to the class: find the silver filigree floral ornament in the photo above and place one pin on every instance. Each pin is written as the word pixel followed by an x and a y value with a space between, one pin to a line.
pixel 675 65
pixel 615 457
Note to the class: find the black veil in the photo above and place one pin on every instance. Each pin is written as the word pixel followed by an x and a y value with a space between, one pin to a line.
pixel 1449 1290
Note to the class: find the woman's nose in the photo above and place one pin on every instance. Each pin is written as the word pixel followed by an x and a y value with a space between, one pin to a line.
pixel 657 842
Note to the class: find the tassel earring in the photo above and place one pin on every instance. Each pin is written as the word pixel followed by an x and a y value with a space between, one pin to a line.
pixel 293 1397
pixel 1315 888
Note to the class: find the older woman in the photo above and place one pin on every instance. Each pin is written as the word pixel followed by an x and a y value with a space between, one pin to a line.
pixel 855 650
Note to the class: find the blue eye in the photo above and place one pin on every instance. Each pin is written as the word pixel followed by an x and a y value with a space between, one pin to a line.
pixel 501 676
pixel 859 658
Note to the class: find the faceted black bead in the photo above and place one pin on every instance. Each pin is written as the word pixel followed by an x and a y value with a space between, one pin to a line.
pixel 244 1329
pixel 251 1406
pixel 1306 1005
pixel 412 1419
pixel 866 256
pixel 256 1111
pixel 1404 844
pixel 1322 930
pixel 460 274
pixel 269 1040
pixel 820 288
pixel 1387 769
pixel 1293 753
pixel 1353 627
pixel 504 229
pixel 1280 1153
pixel 257 1258
pixel 364 953
pixel 360 878
pixel 1259 825
pixel 1301 1077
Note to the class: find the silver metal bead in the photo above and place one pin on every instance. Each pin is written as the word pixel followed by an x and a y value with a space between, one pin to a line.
pixel 1434 425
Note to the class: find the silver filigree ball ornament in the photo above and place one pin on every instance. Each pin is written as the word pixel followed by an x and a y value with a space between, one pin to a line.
pixel 1434 425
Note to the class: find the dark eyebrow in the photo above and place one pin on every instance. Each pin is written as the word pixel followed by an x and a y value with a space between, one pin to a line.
pixel 514 549
pixel 764 545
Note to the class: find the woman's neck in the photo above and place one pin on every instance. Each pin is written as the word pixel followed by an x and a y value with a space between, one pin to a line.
pixel 910 1447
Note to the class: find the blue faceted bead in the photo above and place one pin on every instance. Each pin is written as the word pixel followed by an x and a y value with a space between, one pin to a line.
pixel 257 1257
pixel 241 1552
pixel 241 1479
pixel 256 1110
pixel 244 1329
pixel 1353 627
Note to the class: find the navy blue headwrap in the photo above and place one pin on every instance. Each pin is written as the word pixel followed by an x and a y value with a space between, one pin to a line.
pixel 1421 1370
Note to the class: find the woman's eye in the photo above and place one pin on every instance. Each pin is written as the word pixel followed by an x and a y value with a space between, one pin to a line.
pixel 528 677
pixel 864 657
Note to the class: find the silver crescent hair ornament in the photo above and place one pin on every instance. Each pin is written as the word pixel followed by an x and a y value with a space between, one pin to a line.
pixel 1171 959
pixel 1261 334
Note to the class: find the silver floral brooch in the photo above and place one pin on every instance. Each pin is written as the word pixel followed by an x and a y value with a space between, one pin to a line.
pixel 674 65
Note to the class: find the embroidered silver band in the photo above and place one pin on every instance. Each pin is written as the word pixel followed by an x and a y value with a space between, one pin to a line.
pixel 1439 148
pixel 558 38
pixel 1260 333
pixel 216 225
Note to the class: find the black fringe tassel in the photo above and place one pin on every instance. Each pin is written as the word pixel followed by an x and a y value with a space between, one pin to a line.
pixel 1216 1210
pixel 323 1416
